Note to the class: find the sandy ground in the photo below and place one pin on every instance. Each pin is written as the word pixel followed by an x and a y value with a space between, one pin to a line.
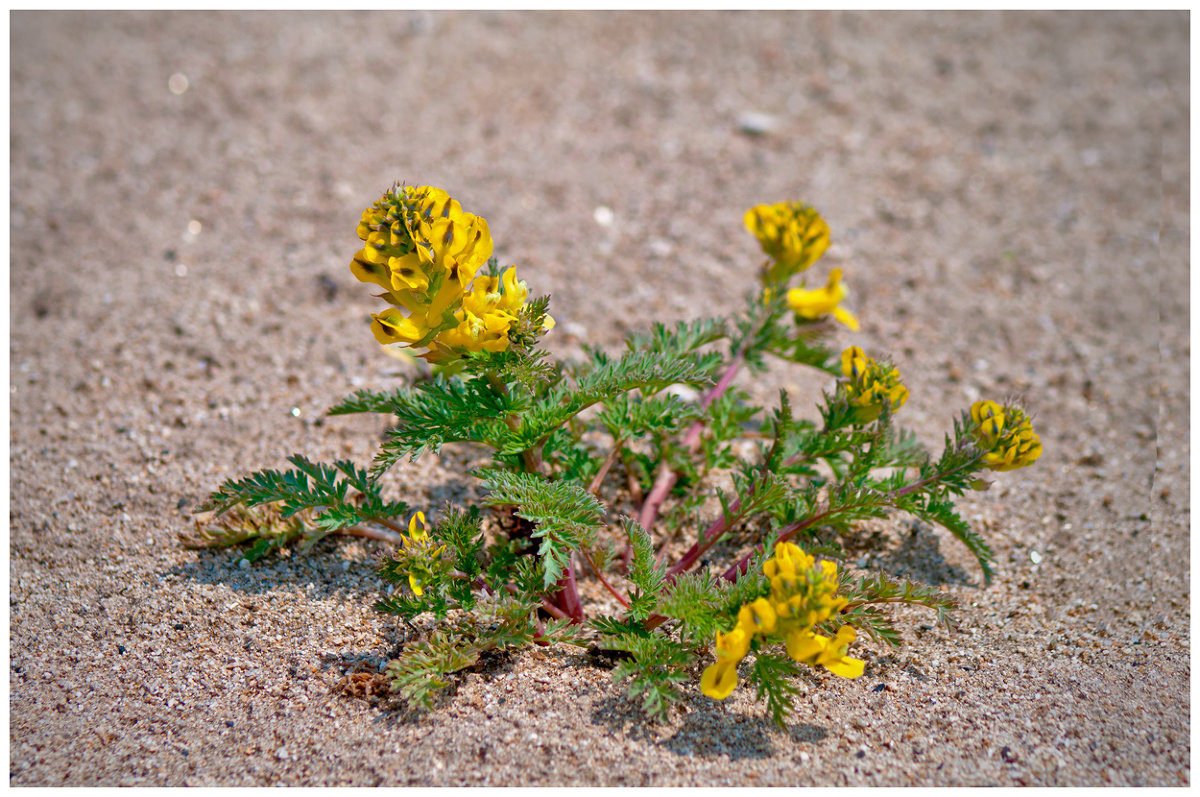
pixel 1008 196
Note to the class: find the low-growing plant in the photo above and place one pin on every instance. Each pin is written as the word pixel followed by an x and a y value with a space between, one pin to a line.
pixel 602 469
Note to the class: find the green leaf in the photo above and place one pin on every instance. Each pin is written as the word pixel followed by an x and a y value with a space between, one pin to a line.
pixel 656 667
pixel 646 371
pixel 310 486
pixel 566 514
pixel 772 675
pixel 684 338
pixel 647 575
pixel 437 412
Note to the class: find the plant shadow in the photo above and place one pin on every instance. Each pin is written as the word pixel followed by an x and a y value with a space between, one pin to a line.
pixel 918 557
pixel 329 570
pixel 704 731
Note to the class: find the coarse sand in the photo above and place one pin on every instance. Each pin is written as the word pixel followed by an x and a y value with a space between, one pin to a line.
pixel 1008 195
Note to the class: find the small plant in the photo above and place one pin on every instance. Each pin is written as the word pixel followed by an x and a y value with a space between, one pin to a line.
pixel 601 469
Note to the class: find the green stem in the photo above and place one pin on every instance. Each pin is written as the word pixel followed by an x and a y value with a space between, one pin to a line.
pixel 531 458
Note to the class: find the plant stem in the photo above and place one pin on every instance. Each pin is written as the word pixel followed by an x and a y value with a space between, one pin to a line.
pixel 603 581
pixel 666 477
pixel 531 458
pixel 594 487
pixel 792 529
pixel 389 524
pixel 567 597
pixel 549 607
pixel 374 534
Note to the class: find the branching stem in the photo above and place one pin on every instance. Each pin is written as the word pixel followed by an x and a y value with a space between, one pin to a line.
pixel 603 580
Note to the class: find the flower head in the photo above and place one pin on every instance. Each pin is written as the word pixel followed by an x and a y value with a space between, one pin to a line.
pixel 425 251
pixel 803 594
pixel 1005 434
pixel 812 305
pixel 869 385
pixel 792 234
pixel 419 549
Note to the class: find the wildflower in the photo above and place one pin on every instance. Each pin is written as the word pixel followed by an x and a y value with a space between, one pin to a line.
pixel 757 617
pixel 812 305
pixel 1006 435
pixel 720 679
pixel 815 649
pixel 418 545
pixel 425 251
pixel 392 326
pixel 790 233
pixel 869 385
pixel 803 594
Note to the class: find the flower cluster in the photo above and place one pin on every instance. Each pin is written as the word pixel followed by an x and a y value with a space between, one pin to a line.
pixel 794 236
pixel 790 233
pixel 424 250
pixel 418 547
pixel 803 594
pixel 869 385
pixel 1006 435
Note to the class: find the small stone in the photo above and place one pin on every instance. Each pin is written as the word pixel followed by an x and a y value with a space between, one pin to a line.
pixel 1035 557
pixel 756 123
pixel 243 564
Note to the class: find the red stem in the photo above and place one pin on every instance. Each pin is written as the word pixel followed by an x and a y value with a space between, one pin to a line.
pixel 666 477
pixel 374 534
pixel 567 597
pixel 604 581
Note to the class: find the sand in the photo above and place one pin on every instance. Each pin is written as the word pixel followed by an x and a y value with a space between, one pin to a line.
pixel 1008 198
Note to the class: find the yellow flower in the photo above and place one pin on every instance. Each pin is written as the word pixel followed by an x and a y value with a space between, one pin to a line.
pixel 757 617
pixel 869 385
pixel 1006 435
pixel 989 418
pixel 790 233
pixel 812 305
pixel 719 680
pixel 418 544
pixel 803 593
pixel 814 649
pixel 392 326
pixel 735 645
pixel 425 251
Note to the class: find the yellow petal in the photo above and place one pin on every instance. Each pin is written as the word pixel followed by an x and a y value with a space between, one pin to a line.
pixel 366 269
pixel 757 617
pixel 854 362
pixel 391 326
pixel 846 317
pixel 719 680
pixel 805 646
pixel 846 667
